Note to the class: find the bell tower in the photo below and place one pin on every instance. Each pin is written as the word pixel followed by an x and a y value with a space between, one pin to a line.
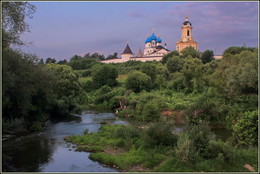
pixel 186 37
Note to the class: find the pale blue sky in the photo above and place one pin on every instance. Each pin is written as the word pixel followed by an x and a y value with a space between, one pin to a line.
pixel 63 29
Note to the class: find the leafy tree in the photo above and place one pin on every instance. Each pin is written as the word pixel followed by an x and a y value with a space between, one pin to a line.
pixel 138 81
pixel 66 84
pixel 50 60
pixel 207 56
pixel 150 70
pixel 13 20
pixel 169 55
pixel 190 51
pixel 237 74
pixel 114 56
pixel 75 57
pixel 236 50
pixel 104 75
pixel 97 56
pixel 193 73
pixel 62 62
pixel 245 131
pixel 174 64
pixel 26 88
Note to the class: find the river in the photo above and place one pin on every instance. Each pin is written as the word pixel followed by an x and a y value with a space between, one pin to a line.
pixel 48 152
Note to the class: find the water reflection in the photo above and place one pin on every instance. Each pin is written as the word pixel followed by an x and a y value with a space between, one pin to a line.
pixel 48 152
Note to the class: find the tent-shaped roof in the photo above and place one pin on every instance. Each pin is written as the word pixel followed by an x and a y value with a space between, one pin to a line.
pixel 127 50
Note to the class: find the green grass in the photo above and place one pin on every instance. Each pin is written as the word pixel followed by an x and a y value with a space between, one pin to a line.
pixel 84 79
pixel 111 146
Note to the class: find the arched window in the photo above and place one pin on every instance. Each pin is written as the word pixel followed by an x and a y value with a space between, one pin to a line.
pixel 188 32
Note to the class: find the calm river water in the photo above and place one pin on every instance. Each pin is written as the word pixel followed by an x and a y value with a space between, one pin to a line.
pixel 48 152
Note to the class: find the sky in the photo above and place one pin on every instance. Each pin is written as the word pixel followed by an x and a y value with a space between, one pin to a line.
pixel 61 30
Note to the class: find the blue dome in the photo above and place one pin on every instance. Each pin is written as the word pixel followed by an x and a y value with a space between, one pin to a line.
pixel 159 40
pixel 148 40
pixel 153 37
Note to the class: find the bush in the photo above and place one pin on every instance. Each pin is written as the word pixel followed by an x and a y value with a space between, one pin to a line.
pixel 104 75
pixel 129 134
pixel 174 64
pixel 88 86
pixel 138 81
pixel 160 134
pixel 184 148
pixel 245 131
pixel 200 136
pixel 86 73
pixel 217 148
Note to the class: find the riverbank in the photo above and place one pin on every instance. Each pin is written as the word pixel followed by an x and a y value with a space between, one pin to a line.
pixel 156 148
pixel 48 152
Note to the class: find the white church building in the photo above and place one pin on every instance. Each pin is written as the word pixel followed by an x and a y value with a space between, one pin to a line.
pixel 153 51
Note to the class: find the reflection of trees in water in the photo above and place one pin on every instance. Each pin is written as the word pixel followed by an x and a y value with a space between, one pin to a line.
pixel 27 154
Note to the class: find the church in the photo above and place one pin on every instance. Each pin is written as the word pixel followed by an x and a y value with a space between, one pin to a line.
pixel 154 50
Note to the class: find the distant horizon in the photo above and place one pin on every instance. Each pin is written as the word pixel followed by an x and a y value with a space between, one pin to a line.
pixel 61 30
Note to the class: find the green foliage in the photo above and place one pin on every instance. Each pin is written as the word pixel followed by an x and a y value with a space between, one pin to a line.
pixel 138 81
pixel 184 149
pixel 236 50
pixel 200 136
pixel 237 74
pixel 66 81
pixel 174 64
pixel 13 21
pixel 104 75
pixel 79 63
pixel 150 70
pixel 207 56
pixel 86 73
pixel 26 88
pixel 193 72
pixel 169 55
pixel 221 151
pixel 245 130
pixel 190 51
pixel 160 134
pixel 50 60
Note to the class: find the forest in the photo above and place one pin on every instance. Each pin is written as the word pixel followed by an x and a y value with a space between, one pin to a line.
pixel 190 88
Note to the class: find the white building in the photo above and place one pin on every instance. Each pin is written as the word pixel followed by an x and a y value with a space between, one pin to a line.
pixel 153 51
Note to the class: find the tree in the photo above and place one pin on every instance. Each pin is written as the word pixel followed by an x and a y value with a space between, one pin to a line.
pixel 237 74
pixel 114 56
pixel 207 56
pixel 193 72
pixel 236 50
pixel 245 131
pixel 66 84
pixel 26 88
pixel 150 70
pixel 138 81
pixel 104 75
pixel 174 64
pixel 62 62
pixel 50 60
pixel 190 51
pixel 169 55
pixel 13 21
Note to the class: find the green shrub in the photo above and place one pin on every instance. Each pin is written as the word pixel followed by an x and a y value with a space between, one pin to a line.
pixel 245 131
pixel 184 148
pixel 200 135
pixel 138 81
pixel 160 134
pixel 86 73
pixel 217 148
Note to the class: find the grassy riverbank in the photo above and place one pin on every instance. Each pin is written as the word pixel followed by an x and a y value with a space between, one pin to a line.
pixel 158 148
